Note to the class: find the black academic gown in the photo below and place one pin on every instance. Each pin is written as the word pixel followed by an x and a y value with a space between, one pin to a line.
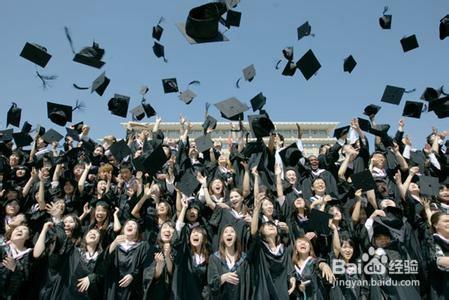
pixel 439 278
pixel 157 288
pixel 120 263
pixel 218 267
pixel 189 279
pixel 270 272
pixel 17 284
pixel 315 289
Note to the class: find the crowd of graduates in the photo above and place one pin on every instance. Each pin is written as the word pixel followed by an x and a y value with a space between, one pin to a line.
pixel 152 217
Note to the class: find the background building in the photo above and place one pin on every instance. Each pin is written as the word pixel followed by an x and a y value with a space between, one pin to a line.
pixel 314 134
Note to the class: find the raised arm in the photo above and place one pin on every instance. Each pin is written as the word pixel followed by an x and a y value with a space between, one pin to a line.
pixel 203 181
pixel 39 247
pixel 117 226
pixel 255 217
pixel 279 187
pixel 146 195
pixel 355 217
pixel 83 177
pixel 41 192
pixel 30 182
pixel 400 159
pixel 246 189
pixel 336 245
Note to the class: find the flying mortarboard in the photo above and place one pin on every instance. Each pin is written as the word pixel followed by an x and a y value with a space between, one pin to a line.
pixel 288 53
pixel 170 85
pixel 290 69
pixel 232 109
pixel 40 130
pixel 371 110
pixel 36 54
pixel 363 180
pixel 248 73
pixel 444 27
pixel 118 105
pixel 380 129
pixel 393 94
pixel 364 124
pixel 318 222
pixel 429 186
pixel 73 133
pixel 339 132
pixel 431 94
pixel 187 96
pixel 409 43
pixel 385 20
pixel 233 18
pixel 26 127
pixel 153 162
pixel 158 30
pixel 13 116
pixel 349 64
pixel 90 56
pixel 100 84
pixel 159 50
pixel 412 109
pixel 260 125
pixel 120 150
pixel 202 23
pixel 59 114
pixel 210 122
pixel 204 143
pixel 52 136
pixel 304 30
pixel 138 112
pixel 418 158
pixel 308 64
pixel 440 107
pixel 188 183
pixel 290 155
pixel 258 102
pixel 22 139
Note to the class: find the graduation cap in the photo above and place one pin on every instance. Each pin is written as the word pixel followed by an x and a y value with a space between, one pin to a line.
pixel 371 110
pixel 385 20
pixel 118 105
pixel 418 158
pixel 232 109
pixel 22 139
pixel 412 109
pixel 158 30
pixel 73 133
pixel 440 107
pixel 232 18
pixel 429 186
pixel 304 30
pixel 248 73
pixel 90 56
pixel 170 85
pixel 431 94
pixel 138 112
pixel 210 122
pixel 40 130
pixel 159 50
pixel 204 143
pixel 364 124
pixel 409 43
pixel 188 183
pixel 36 54
pixel 380 129
pixel 444 27
pixel 120 150
pixel 99 85
pixel 155 160
pixel 289 69
pixel 363 180
pixel 59 114
pixel 6 135
pixel 258 102
pixel 318 222
pixel 202 23
pixel 26 127
pixel 341 131
pixel 187 96
pixel 349 64
pixel 288 53
pixel 260 125
pixel 13 116
pixel 290 155
pixel 393 94
pixel 52 136
pixel 308 64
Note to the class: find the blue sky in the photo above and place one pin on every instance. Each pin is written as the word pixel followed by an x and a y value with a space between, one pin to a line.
pixel 124 28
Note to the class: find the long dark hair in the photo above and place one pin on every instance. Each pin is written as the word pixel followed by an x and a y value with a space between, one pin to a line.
pixel 107 220
pixel 295 257
pixel 77 230
pixel 237 245
pixel 205 248
pixel 83 244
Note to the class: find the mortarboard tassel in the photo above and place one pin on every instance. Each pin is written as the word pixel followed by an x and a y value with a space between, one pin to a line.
pixel 194 82
pixel 385 10
pixel 277 64
pixel 69 38
pixel 79 105
pixel 237 84
pixel 45 79
pixel 80 87
pixel 441 90
pixel 410 91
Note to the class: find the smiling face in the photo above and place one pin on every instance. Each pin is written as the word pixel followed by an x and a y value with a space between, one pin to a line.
pixel 69 226
pixel 267 208
pixel 291 176
pixel 347 250
pixel 336 213
pixel 443 194
pixel 92 238
pixel 302 247
pixel 269 231
pixel 68 188
pixel 101 187
pixel 131 230
pixel 20 234
pixel 319 187
pixel 442 226
pixel 196 238
pixel 166 233
pixel 378 160
pixel 12 208
pixel 98 151
pixel 314 162
pixel 78 170
pixel 236 200
pixel 229 236
pixel 13 160
pixel 162 209
pixel 222 160
pixel 101 213
pixel 299 203
pixel 217 187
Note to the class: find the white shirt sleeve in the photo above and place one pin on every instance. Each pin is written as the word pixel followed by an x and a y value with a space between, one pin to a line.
pixel 369 227
pixel 434 161
pixel 406 152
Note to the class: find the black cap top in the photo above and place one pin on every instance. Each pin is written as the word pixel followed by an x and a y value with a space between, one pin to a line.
pixel 120 150
pixel 409 43
pixel 159 50
pixel 13 116
pixel 187 96
pixel 260 125
pixel 90 56
pixel 363 180
pixel 210 122
pixel 26 127
pixel 304 30
pixel 288 53
pixel 100 84
pixel 429 186
pixel 153 162
pixel 339 132
pixel 204 143
pixel 412 109
pixel 6 135
pixel 440 107
pixel 417 158
pixel 233 18
pixel 393 94
pixel 73 133
pixel 157 32
pixel 138 112
pixel 118 105
pixel 59 114
pixel 258 102
pixel 290 155
pixel 187 183
pixel 149 110
pixel 40 130
pixel 444 27
pixel 231 107
pixel 319 222
pixel 35 53
pixel 364 124
pixel 371 110
pixel 290 69
pixel 430 94
pixel 308 64
pixel 249 72
pixel 380 129
pixel 349 64
pixel 385 20
pixel 52 136
pixel 170 85
pixel 22 139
